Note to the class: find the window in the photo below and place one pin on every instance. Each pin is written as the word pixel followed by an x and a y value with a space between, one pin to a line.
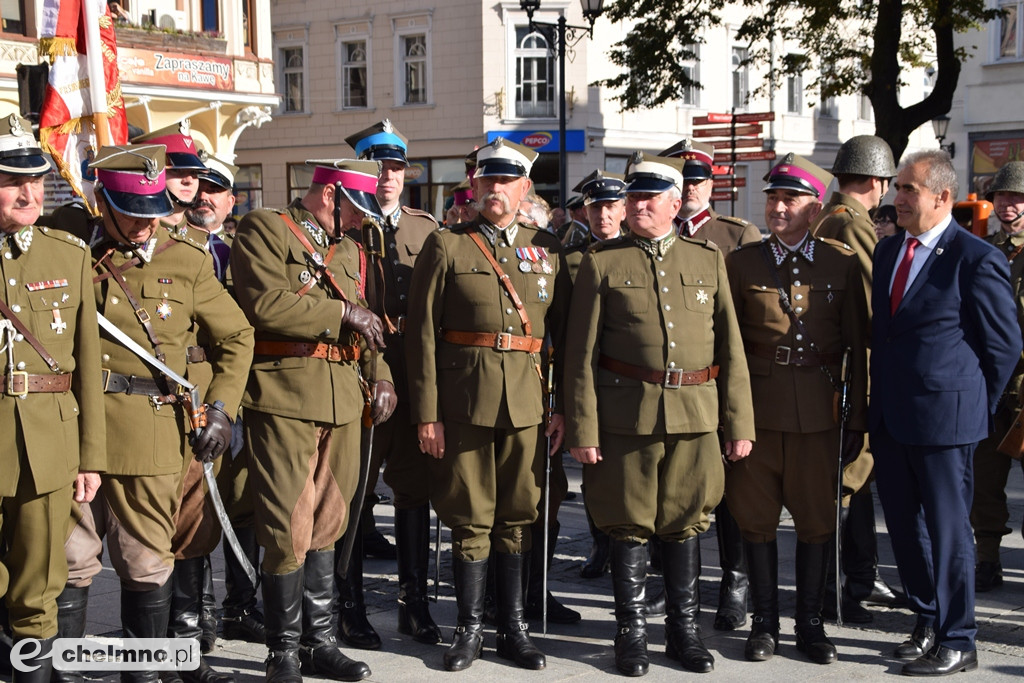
pixel 1009 30
pixel 414 66
pixel 354 88
pixel 691 67
pixel 740 77
pixel 248 189
pixel 292 62
pixel 210 15
pixel 867 111
pixel 828 109
pixel 248 25
pixel 795 94
pixel 535 76
pixel 12 17
pixel 300 177
pixel 412 73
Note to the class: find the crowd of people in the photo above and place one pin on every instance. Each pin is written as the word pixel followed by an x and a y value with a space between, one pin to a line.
pixel 696 368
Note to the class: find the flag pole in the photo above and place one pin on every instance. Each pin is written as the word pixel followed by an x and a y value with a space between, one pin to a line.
pixel 94 65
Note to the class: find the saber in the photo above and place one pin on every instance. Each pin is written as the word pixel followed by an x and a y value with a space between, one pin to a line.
pixel 211 481
pixel 844 417
pixel 437 559
pixel 547 495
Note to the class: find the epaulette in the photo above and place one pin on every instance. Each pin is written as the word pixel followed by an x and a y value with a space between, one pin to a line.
pixel 62 236
pixel 735 221
pixel 417 212
pixel 186 233
pixel 842 208
pixel 843 246
pixel 707 244
pixel 747 245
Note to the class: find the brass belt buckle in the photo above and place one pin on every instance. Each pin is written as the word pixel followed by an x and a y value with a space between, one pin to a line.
pixel 11 391
pixel 334 353
pixel 782 354
pixel 106 380
pixel 673 379
pixel 503 341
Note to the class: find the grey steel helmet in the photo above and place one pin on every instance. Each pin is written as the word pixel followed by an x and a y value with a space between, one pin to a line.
pixel 1010 178
pixel 867 155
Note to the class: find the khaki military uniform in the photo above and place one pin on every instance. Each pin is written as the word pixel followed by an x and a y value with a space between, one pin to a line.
pixel 796 458
pixel 301 412
pixel 989 513
pixel 661 471
pixel 490 402
pixel 47 436
pixel 143 481
pixel 726 232
pixel 394 441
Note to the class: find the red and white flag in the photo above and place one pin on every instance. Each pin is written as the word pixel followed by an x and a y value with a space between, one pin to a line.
pixel 83 82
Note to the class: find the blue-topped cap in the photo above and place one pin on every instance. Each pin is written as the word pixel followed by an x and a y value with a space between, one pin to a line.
pixel 380 142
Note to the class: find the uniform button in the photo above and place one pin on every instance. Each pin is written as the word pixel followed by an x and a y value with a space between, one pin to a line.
pixel 795 270
pixel 399 278
pixel 474 270
pixel 401 297
pixel 796 283
pixel 616 380
pixel 672 364
pixel 19 337
pixel 508 311
pixel 12 282
pixel 667 307
pixel 671 325
pixel 799 309
pixel 800 349
pixel 671 345
pixel 16 308
pixel 794 259
pixel 508 329
pixel 7 254
pixel 503 260
pixel 799 337
pixel 664 289
pixel 700 282
pixel 396 262
pixel 165 295
pixel 327 332
pixel 105 357
pixel 56 304
pixel 21 365
pixel 628 282
pixel 661 273
pixel 502 245
pixel 798 297
pixel 114 300
pixel 128 254
pixel 660 258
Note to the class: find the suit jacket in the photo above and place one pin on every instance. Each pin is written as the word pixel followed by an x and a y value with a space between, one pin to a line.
pixel 939 364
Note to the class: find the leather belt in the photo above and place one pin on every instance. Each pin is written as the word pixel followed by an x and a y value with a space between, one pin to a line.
pixel 399 323
pixel 499 341
pixel 671 378
pixel 332 352
pixel 19 383
pixel 785 355
pixel 116 383
pixel 195 354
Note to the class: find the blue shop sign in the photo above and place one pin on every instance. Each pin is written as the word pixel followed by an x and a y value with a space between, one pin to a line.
pixel 541 140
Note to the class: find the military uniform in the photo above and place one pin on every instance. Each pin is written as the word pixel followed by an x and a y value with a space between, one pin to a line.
pixel 726 232
pixel 52 423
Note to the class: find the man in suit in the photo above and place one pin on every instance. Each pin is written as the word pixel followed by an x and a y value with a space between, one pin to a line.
pixel 944 343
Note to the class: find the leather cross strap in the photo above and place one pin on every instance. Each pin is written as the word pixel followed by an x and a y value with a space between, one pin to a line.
pixel 671 378
pixel 140 312
pixel 29 337
pixel 499 341
pixel 320 263
pixel 132 262
pixel 21 383
pixel 332 352
pixel 505 282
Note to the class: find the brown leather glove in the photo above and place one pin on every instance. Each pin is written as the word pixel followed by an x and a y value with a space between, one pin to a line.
pixel 366 323
pixel 216 436
pixel 385 402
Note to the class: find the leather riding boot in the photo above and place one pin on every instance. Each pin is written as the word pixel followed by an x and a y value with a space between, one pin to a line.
pixel 853 611
pixel 145 614
pixel 654 548
pixel 354 628
pixel 468 640
pixel 72 604
pixel 811 563
pixel 42 661
pixel 412 533
pixel 513 634
pixel 207 610
pixel 490 601
pixel 763 573
pixel 184 620
pixel 319 653
pixel 600 552
pixel 629 576
pixel 655 607
pixel 534 607
pixel 241 619
pixel 375 544
pixel 681 569
pixel 282 602
pixel 732 591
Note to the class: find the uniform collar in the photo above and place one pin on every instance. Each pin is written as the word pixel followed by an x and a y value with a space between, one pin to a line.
pixel 391 220
pixel 688 227
pixel 491 231
pixel 655 247
pixel 22 238
pixel 780 251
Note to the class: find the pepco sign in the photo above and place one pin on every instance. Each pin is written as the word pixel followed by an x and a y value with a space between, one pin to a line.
pixel 541 140
pixel 537 140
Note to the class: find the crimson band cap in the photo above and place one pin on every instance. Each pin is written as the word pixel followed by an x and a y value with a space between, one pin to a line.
pixel 132 179
pixel 799 175
pixel 182 151
pixel 358 180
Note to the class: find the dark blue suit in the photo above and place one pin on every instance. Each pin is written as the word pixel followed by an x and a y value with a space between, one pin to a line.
pixel 938 368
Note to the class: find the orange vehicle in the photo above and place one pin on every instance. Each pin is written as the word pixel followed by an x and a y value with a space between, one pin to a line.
pixel 973 213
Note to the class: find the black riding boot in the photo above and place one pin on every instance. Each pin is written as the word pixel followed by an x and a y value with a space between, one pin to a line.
pixel 412 536
pixel 241 619
pixel 42 661
pixel 72 606
pixel 354 628
pixel 319 652
pixel 557 612
pixel 763 573
pixel 468 640
pixel 732 592
pixel 853 611
pixel 513 634
pixel 681 569
pixel 811 563
pixel 629 576
pixel 207 610
pixel 184 620
pixel 600 552
pixel 282 602
pixel 144 614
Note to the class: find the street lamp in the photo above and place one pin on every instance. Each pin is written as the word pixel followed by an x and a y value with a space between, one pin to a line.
pixel 559 35
pixel 940 125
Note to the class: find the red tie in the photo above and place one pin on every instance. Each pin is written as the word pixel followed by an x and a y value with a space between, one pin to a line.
pixel 899 283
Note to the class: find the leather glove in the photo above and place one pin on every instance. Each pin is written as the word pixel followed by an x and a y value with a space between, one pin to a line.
pixel 385 402
pixel 216 436
pixel 853 443
pixel 365 322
